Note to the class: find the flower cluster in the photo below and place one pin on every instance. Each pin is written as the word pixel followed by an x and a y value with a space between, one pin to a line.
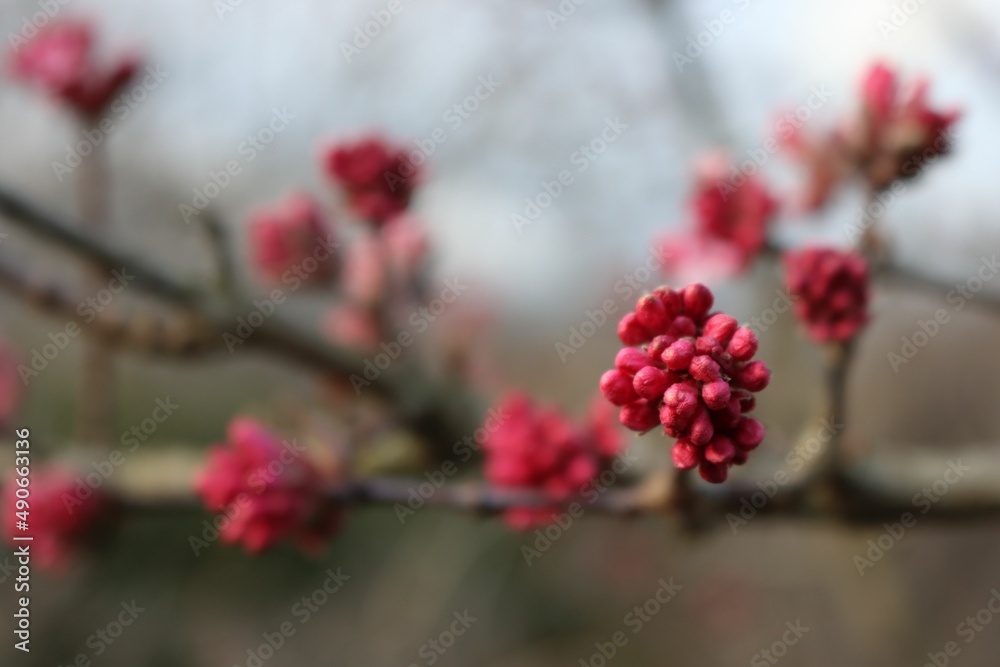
pixel 893 137
pixel 291 238
pixel 540 448
pixel 60 61
pixel 732 213
pixel 377 177
pixel 268 491
pixel 830 288
pixel 693 372
pixel 61 521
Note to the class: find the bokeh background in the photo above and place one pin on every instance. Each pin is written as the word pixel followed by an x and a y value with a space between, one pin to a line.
pixel 231 63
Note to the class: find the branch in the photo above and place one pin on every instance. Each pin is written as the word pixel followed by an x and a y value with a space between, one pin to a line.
pixel 438 411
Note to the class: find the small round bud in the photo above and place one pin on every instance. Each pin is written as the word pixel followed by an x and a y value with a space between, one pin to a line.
pixel 743 344
pixel 721 327
pixel 685 455
pixel 716 394
pixel 631 360
pixel 755 376
pixel 698 301
pixel 704 369
pixel 631 332
pixel 678 356
pixel 639 416
pixel 650 383
pixel 617 388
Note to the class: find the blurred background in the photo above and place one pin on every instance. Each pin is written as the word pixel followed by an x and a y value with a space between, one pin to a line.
pixel 560 72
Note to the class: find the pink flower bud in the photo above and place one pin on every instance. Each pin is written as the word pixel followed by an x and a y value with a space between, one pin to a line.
pixel 749 434
pixel 708 345
pixel 631 360
pixel 743 344
pixel 702 429
pixel 657 347
pixel 755 376
pixel 650 383
pixel 721 327
pixel 682 326
pixel 714 473
pixel 716 394
pixel 678 356
pixel 617 388
pixel 377 178
pixel 704 369
pixel 685 455
pixel 652 314
pixel 639 416
pixel 672 300
pixel 720 450
pixel 630 332
pixel 683 398
pixel 698 301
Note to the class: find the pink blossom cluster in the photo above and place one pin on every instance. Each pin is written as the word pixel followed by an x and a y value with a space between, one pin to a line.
pixel 376 177
pixel 291 241
pixel 60 61
pixel 895 134
pixel 268 491
pixel 732 214
pixel 692 371
pixel 60 521
pixel 830 288
pixel 539 448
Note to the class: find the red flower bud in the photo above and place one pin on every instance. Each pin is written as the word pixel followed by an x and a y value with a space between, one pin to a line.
pixel 617 388
pixel 721 327
pixel 743 344
pixel 631 332
pixel 650 383
pixel 651 313
pixel 755 376
pixel 639 416
pixel 704 369
pixel 678 356
pixel 716 394
pixel 685 455
pixel 698 301
pixel 630 360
